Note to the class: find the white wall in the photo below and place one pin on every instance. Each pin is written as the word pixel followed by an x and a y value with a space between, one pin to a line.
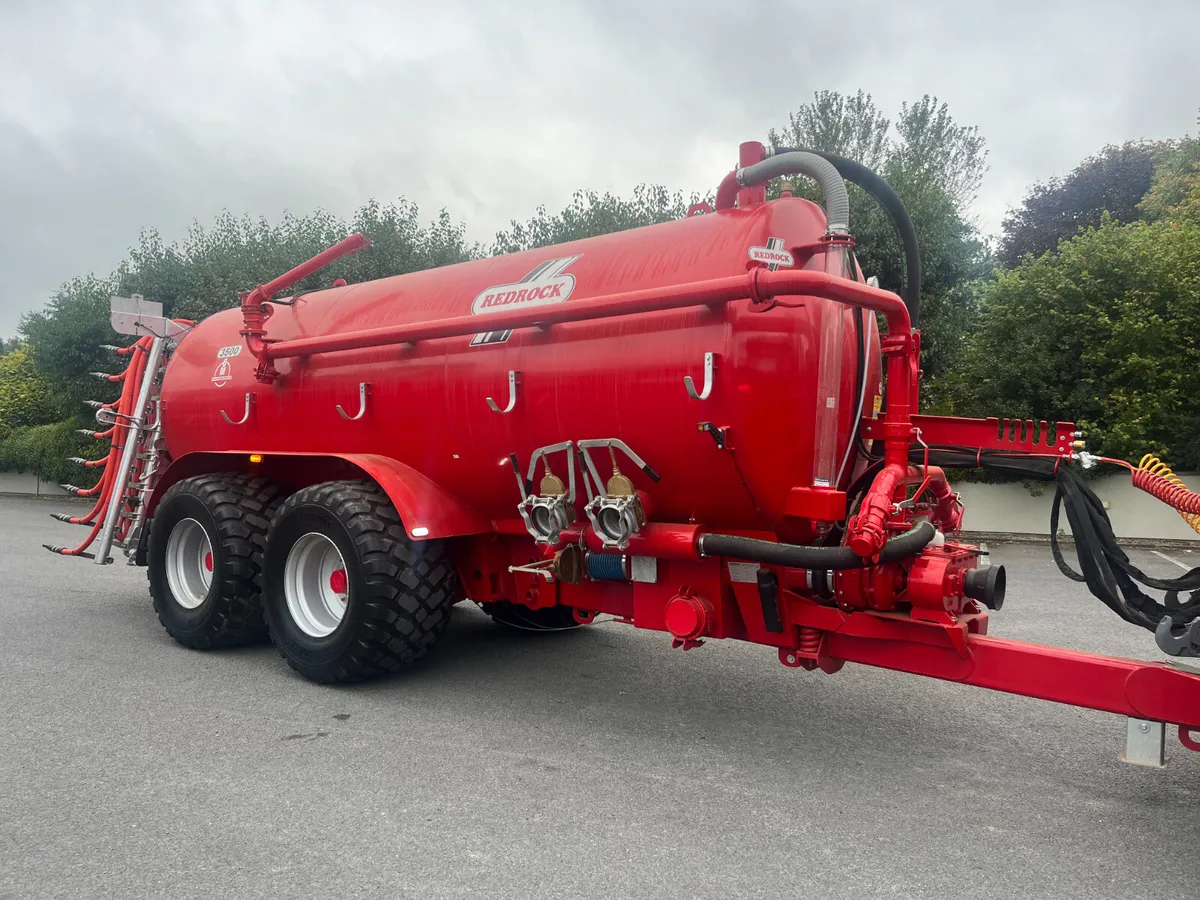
pixel 27 483
pixel 1010 509
pixel 993 508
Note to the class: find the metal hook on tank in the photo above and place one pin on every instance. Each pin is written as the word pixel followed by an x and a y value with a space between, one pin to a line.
pixel 364 391
pixel 245 416
pixel 710 361
pixel 514 378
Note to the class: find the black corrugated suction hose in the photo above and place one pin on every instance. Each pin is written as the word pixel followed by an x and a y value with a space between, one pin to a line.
pixel 910 543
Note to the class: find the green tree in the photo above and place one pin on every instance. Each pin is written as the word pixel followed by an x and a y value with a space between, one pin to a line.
pixel 194 278
pixel 204 272
pixel 935 165
pixel 1175 191
pixel 64 339
pixel 45 449
pixel 932 148
pixel 853 127
pixel 24 397
pixel 1106 331
pixel 1113 182
pixel 592 214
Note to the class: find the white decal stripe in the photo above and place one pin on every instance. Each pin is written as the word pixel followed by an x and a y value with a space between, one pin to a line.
pixel 557 266
pixel 536 273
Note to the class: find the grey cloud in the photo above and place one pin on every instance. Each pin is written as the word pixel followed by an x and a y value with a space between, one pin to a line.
pixel 119 116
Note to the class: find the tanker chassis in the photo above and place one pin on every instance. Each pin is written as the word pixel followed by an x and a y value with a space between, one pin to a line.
pixel 696 427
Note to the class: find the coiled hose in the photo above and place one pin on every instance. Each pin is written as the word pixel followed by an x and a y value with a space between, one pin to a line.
pixel 1155 477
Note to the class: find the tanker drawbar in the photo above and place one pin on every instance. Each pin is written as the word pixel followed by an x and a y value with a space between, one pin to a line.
pixel 696 428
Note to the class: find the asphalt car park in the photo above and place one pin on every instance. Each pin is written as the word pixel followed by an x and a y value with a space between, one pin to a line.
pixel 592 763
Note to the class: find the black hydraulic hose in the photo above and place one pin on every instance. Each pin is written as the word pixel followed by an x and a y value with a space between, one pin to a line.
pixel 886 197
pixel 1103 566
pixel 910 543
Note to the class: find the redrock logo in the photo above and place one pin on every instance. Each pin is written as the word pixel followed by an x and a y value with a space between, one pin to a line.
pixel 773 254
pixel 545 284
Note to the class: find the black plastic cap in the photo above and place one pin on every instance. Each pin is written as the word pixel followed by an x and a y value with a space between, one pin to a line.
pixel 986 584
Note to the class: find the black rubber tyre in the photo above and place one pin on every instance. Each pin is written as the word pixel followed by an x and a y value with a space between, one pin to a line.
pixel 398 592
pixel 513 615
pixel 234 511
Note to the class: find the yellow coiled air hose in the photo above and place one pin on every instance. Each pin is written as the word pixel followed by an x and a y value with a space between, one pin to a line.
pixel 1158 471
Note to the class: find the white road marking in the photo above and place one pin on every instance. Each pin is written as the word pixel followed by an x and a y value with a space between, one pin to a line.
pixel 1175 561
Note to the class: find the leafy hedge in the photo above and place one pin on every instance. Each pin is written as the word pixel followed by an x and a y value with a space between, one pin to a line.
pixel 43 450
pixel 25 399
pixel 30 439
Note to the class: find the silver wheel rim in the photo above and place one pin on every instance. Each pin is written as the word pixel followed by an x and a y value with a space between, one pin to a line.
pixel 315 585
pixel 189 563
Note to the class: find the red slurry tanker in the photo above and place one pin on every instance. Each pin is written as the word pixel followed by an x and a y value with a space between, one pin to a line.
pixel 696 427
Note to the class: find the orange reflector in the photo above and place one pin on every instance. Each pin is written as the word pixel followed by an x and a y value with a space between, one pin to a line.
pixel 255 458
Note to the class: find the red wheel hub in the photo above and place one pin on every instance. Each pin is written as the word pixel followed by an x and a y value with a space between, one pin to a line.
pixel 208 560
pixel 337 581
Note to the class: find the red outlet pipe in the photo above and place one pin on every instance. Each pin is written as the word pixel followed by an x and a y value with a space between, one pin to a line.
pixel 727 191
pixel 255 314
pixel 758 284
pixel 866 532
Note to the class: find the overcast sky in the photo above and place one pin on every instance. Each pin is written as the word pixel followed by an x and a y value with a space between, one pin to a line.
pixel 119 115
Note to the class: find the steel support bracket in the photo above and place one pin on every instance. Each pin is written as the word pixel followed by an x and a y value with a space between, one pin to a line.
pixel 1145 743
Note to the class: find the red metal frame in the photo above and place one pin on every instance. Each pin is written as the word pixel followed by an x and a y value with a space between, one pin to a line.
pixel 1017 435
pixel 1122 686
